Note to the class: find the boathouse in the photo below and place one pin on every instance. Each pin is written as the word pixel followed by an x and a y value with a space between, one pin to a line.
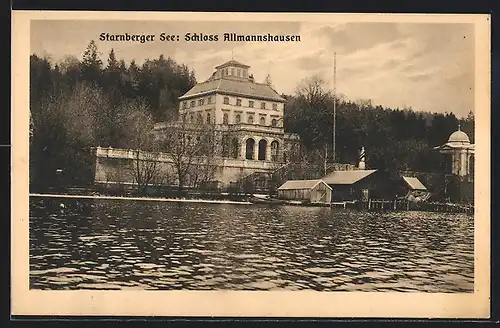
pixel 314 191
pixel 354 184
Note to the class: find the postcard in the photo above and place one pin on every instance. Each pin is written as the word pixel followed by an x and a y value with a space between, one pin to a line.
pixel 250 164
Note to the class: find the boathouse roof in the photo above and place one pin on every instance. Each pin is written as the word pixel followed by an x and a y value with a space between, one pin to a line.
pixel 347 177
pixel 301 184
pixel 414 183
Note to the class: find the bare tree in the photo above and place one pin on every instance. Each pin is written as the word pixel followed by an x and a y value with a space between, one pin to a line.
pixel 191 148
pixel 139 128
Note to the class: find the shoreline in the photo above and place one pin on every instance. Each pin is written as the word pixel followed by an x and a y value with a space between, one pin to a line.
pixel 150 199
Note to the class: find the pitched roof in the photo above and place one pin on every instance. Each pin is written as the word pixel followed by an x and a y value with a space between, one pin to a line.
pixel 414 183
pixel 234 87
pixel 346 177
pixel 232 63
pixel 300 184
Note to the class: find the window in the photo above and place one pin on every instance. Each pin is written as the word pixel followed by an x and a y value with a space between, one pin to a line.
pixel 232 71
pixel 250 119
pixel 238 102
pixel 226 71
pixel 274 122
pixel 244 73
pixel 226 100
pixel 262 120
pixel 238 72
pixel 200 118
pixel 209 100
pixel 191 118
pixel 208 118
pixel 237 118
pixel 225 119
pixel 263 105
pixel 200 102
pixel 250 104
pixel 275 106
pixel 193 103
pixel 184 104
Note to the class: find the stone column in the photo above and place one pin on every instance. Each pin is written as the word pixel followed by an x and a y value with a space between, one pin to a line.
pixel 243 148
pixel 463 163
pixel 256 149
pixel 268 151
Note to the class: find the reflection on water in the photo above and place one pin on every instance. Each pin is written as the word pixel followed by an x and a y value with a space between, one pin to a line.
pixel 98 244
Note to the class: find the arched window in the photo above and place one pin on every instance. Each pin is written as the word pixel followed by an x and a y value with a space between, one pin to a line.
pixel 225 119
pixel 274 122
pixel 249 148
pixel 200 118
pixel 262 120
pixel 262 150
pixel 250 119
pixel 285 157
pixel 234 148
pixel 237 118
pixel 191 118
pixel 274 151
pixel 226 100
pixel 208 118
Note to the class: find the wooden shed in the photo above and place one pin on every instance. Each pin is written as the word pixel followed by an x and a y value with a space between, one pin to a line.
pixel 314 191
pixel 355 184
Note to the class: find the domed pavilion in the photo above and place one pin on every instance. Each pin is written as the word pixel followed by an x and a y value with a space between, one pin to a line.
pixel 460 153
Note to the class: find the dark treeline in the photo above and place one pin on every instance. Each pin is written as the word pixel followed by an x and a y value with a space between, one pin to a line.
pixel 76 104
pixel 394 139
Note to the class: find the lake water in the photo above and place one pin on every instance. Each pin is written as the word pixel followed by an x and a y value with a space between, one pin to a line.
pixel 116 244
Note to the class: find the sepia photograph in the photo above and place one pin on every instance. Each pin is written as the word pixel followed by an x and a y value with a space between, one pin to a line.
pixel 250 164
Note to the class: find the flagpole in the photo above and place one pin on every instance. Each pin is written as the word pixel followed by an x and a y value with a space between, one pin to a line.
pixel 334 103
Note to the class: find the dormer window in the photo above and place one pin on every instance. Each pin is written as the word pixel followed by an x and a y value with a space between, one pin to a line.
pixel 193 103
pixel 184 104
pixel 238 102
pixel 263 105
pixel 275 106
pixel 209 100
pixel 200 102
pixel 226 100
pixel 250 104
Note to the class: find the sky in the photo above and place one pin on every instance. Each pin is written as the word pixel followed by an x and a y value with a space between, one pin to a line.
pixel 425 66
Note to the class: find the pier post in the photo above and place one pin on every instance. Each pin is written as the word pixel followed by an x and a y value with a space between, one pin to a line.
pixel 395 204
pixel 382 206
pixel 407 205
pixel 369 203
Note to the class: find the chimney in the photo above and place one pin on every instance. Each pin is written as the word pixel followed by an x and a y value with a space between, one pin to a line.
pixel 361 164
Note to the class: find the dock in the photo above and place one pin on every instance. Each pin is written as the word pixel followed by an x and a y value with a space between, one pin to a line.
pixel 403 205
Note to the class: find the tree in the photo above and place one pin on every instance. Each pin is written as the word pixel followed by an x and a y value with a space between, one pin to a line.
pixel 191 148
pixel 139 123
pixel 91 64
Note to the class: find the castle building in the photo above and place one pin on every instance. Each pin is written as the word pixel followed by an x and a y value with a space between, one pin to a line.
pixel 248 115
pixel 246 137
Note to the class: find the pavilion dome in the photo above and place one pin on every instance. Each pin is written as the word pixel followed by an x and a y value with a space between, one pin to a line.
pixel 459 137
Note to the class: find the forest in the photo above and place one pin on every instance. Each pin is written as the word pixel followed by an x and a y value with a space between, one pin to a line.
pixel 79 103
